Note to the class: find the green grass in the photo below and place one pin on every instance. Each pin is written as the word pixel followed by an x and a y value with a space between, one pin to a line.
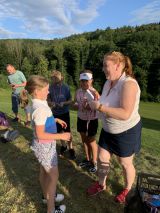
pixel 19 187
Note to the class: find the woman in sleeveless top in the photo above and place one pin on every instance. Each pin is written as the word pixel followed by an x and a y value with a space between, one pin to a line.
pixel 121 123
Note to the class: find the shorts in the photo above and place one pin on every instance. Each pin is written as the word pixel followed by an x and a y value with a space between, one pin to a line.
pixel 123 144
pixel 65 117
pixel 87 127
pixel 15 102
pixel 45 153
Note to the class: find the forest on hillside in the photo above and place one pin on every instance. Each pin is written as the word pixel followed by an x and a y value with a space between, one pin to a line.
pixel 74 53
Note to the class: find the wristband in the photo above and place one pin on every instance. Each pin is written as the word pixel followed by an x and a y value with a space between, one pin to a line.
pixel 99 108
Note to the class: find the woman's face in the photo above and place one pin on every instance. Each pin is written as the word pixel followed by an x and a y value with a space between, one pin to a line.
pixel 85 84
pixel 110 69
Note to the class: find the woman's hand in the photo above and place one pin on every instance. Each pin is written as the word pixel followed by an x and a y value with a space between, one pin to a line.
pixel 94 105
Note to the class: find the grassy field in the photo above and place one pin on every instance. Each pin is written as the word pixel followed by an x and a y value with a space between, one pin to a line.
pixel 19 187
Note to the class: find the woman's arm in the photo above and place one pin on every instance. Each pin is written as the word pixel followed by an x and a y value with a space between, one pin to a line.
pixel 128 99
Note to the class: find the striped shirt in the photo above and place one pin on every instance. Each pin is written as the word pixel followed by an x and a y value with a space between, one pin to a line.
pixel 83 112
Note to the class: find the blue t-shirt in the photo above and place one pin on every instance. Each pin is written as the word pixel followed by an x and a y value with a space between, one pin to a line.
pixel 59 93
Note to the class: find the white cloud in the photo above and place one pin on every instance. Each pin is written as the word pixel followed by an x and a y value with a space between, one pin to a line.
pixel 50 16
pixel 5 33
pixel 148 14
pixel 9 34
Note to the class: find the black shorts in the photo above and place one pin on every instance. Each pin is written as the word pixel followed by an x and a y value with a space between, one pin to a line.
pixel 123 144
pixel 87 127
pixel 65 117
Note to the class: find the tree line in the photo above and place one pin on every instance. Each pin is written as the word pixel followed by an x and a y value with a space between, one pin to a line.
pixel 74 53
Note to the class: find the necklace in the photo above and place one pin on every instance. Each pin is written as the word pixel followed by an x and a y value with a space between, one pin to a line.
pixel 56 93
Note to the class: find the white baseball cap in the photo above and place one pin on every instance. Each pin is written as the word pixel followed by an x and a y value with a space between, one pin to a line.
pixel 85 76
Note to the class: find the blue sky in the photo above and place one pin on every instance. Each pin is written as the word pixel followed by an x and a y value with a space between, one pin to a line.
pixel 48 19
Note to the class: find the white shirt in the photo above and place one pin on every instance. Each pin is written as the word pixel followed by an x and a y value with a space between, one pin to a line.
pixel 113 99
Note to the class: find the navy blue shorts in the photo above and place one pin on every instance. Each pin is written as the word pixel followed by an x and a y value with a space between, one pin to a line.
pixel 123 144
pixel 65 117
pixel 87 127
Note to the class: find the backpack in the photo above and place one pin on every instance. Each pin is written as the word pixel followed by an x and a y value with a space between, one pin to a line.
pixel 4 124
pixel 9 136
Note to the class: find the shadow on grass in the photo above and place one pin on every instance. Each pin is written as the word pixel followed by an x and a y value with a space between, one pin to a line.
pixel 150 123
pixel 21 169
pixel 74 182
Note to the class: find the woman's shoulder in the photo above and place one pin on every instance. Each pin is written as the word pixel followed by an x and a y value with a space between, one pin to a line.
pixel 130 80
pixel 131 84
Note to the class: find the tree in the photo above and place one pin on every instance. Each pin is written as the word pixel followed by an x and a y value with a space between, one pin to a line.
pixel 41 68
pixel 27 67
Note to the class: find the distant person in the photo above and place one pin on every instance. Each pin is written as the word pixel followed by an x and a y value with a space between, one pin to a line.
pixel 44 140
pixel 24 104
pixel 121 122
pixel 17 81
pixel 87 122
pixel 59 99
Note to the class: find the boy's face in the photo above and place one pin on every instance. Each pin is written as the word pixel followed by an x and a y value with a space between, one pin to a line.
pixel 85 84
pixel 56 79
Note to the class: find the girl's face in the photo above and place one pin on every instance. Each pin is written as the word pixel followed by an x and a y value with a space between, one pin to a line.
pixel 85 84
pixel 42 93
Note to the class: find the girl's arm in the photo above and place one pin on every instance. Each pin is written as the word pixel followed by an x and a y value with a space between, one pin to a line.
pixel 42 135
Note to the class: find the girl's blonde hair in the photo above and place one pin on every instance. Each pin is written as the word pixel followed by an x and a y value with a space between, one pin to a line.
pixel 24 99
pixel 36 82
pixel 118 57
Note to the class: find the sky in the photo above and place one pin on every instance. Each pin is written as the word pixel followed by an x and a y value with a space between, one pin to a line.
pixel 49 19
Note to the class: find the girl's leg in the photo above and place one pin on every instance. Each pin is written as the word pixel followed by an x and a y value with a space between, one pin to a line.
pixel 91 142
pixel 28 117
pixel 70 144
pixel 51 182
pixel 86 147
pixel 42 178
pixel 129 170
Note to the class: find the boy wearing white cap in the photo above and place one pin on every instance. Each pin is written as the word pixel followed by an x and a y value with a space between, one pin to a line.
pixel 87 122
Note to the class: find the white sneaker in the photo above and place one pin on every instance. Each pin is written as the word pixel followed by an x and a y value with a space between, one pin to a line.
pixel 58 198
pixel 60 209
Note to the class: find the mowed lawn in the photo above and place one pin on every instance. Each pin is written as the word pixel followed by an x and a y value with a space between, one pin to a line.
pixel 19 186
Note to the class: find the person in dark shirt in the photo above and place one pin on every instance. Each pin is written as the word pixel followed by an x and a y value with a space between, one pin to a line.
pixel 59 99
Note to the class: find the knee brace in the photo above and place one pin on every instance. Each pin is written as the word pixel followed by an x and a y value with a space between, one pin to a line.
pixel 103 169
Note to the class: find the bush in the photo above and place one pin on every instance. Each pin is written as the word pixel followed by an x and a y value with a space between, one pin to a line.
pixel 3 80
